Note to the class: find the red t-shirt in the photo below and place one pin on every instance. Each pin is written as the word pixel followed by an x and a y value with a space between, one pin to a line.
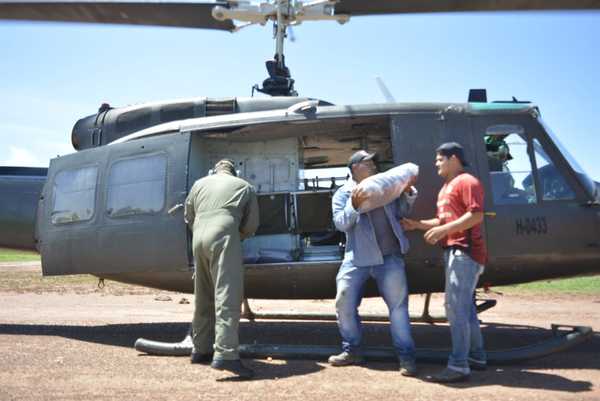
pixel 463 194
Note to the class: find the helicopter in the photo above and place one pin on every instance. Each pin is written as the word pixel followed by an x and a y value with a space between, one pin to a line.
pixel 114 207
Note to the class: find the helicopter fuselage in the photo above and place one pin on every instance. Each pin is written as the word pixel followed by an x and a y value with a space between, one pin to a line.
pixel 114 209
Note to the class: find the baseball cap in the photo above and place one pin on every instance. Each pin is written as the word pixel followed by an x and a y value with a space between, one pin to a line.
pixel 450 149
pixel 360 156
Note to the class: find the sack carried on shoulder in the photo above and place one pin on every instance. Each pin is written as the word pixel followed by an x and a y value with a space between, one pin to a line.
pixel 385 187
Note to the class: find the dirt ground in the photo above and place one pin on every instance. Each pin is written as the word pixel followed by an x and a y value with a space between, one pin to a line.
pixel 76 343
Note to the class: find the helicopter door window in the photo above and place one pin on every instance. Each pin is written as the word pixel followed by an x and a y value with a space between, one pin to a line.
pixel 74 195
pixel 137 186
pixel 552 184
pixel 509 166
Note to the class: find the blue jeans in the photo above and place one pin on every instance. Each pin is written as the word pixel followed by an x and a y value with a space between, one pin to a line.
pixel 391 282
pixel 462 274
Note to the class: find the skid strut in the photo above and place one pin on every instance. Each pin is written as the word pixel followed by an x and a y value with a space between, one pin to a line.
pixel 481 305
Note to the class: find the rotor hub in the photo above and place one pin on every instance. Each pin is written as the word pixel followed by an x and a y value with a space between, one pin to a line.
pixel 283 13
pixel 293 12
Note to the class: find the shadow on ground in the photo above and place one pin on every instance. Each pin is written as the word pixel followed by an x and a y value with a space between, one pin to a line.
pixel 497 336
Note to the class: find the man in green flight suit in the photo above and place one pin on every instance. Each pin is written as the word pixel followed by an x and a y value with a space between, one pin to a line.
pixel 221 210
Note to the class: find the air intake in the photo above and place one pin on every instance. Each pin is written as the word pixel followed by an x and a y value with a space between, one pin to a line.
pixel 220 107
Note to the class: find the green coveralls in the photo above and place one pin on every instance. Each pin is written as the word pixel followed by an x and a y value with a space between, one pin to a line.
pixel 221 210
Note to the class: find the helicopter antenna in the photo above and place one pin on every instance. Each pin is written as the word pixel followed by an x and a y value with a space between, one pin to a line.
pixel 385 91
pixel 283 14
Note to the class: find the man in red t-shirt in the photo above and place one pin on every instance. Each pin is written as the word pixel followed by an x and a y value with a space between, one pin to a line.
pixel 457 227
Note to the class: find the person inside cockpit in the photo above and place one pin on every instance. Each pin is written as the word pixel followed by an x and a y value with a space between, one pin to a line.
pixel 498 152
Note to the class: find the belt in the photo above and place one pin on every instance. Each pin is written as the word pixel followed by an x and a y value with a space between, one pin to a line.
pixel 453 248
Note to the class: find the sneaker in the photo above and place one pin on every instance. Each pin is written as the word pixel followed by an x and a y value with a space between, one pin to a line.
pixel 234 366
pixel 408 368
pixel 345 359
pixel 449 376
pixel 477 364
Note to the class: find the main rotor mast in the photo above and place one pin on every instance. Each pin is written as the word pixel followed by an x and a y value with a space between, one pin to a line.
pixel 282 13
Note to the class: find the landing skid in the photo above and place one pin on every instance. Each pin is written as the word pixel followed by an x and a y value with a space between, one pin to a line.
pixel 560 341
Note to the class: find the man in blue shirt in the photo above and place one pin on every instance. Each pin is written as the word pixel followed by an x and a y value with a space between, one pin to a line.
pixel 375 245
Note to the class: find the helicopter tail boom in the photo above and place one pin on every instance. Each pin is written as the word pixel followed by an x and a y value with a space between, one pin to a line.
pixel 20 188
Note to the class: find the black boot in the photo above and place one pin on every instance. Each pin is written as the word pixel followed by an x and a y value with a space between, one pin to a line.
pixel 234 366
pixel 198 357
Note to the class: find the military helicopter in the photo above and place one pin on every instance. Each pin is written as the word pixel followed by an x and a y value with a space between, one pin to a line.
pixel 114 208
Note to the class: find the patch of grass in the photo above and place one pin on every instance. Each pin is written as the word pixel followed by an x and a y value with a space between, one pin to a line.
pixel 576 285
pixel 25 282
pixel 11 255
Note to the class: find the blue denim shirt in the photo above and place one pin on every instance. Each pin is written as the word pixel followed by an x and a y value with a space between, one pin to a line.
pixel 361 244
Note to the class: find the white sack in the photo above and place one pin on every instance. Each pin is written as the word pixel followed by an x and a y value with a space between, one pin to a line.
pixel 385 187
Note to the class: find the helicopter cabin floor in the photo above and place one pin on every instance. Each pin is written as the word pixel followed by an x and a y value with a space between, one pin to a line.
pixel 77 343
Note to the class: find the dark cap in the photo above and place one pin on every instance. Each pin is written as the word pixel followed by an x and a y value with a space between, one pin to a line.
pixel 360 156
pixel 450 149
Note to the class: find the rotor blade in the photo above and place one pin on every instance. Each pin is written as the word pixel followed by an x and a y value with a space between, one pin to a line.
pixel 188 15
pixel 362 7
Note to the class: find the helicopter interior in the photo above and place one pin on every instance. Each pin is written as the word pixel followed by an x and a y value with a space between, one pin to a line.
pixel 295 176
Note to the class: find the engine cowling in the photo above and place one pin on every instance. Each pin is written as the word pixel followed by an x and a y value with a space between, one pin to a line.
pixel 110 124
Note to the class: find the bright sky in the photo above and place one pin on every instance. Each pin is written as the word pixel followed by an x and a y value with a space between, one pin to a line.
pixel 53 73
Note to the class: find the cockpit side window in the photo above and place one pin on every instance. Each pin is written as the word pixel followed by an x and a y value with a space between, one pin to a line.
pixel 509 165
pixel 553 185
pixel 582 176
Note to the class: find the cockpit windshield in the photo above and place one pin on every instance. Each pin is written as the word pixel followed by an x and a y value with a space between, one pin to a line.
pixel 585 179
